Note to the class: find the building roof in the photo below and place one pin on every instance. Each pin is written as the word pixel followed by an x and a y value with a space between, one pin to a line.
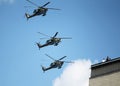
pixel 106 62
pixel 106 67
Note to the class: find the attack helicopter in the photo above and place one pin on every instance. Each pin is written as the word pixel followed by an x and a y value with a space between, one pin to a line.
pixel 41 10
pixel 52 41
pixel 56 64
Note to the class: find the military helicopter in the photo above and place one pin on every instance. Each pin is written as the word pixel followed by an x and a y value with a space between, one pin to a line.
pixel 56 64
pixel 41 10
pixel 52 41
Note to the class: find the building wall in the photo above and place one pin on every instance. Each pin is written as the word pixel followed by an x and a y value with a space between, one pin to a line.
pixel 106 73
pixel 105 68
pixel 112 79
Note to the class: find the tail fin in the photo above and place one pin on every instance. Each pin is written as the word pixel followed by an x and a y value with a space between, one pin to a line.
pixel 27 16
pixel 43 68
pixel 39 45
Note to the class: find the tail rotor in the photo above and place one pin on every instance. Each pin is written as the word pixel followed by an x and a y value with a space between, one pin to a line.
pixel 39 45
pixel 43 68
pixel 27 16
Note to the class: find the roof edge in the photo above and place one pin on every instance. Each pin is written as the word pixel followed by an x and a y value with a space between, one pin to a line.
pixel 106 62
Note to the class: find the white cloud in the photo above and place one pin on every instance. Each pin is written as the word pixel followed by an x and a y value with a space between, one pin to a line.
pixel 76 74
pixel 7 1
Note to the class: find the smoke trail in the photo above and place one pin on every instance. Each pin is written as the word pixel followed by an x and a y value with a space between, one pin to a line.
pixel 76 74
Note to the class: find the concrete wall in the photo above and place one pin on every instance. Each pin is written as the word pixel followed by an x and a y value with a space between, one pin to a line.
pixel 112 79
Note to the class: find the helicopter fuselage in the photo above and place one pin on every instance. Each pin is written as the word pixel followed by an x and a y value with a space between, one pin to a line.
pixel 40 11
pixel 54 41
pixel 57 64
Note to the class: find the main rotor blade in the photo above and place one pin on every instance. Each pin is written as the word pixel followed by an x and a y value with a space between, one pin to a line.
pixel 53 8
pixel 55 35
pixel 66 38
pixel 68 62
pixel 32 3
pixel 44 34
pixel 43 38
pixel 45 4
pixel 62 57
pixel 27 6
pixel 50 57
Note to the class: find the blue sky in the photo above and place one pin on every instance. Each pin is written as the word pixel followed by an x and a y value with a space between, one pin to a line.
pixel 94 26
